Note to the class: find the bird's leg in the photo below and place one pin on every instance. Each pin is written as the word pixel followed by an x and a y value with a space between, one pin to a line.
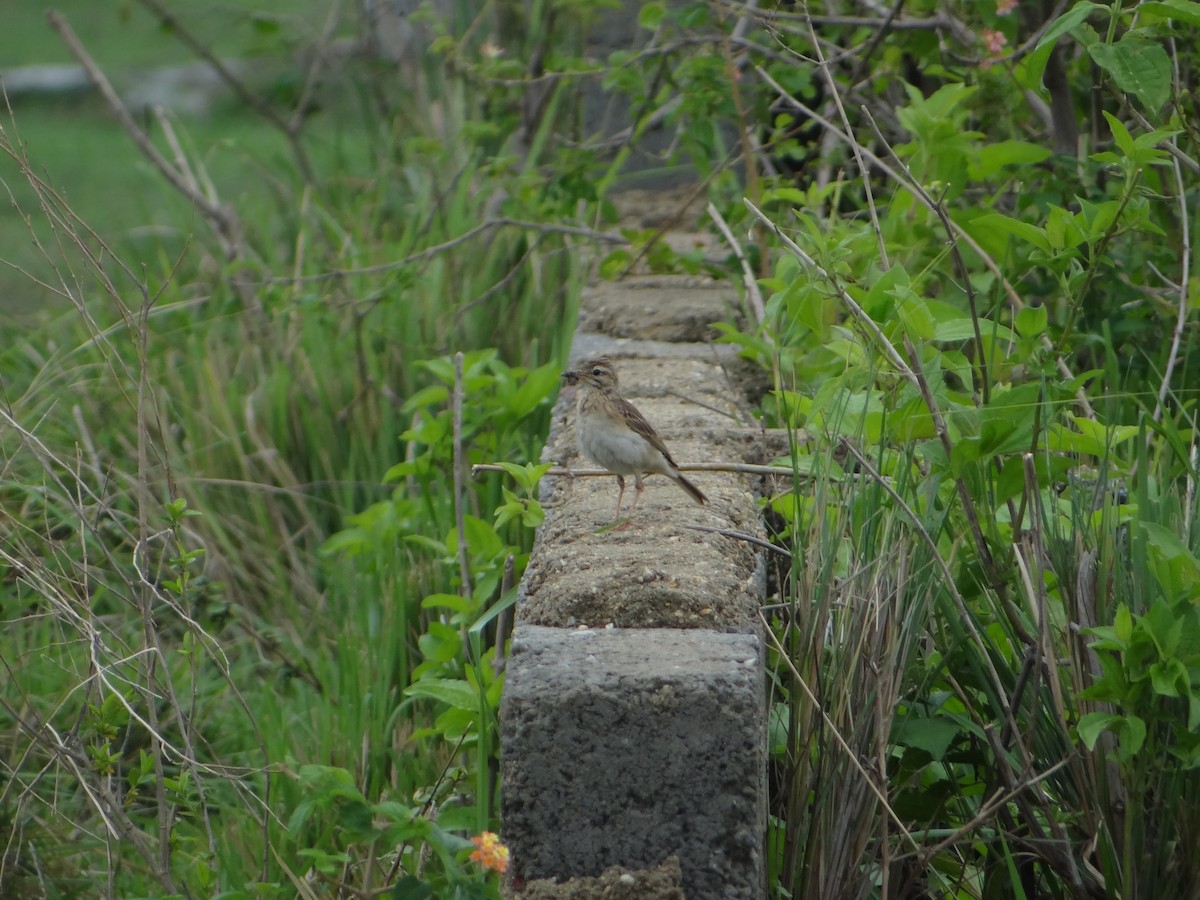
pixel 639 486
pixel 620 495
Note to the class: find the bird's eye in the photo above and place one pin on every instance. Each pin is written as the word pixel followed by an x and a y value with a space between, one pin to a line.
pixel 597 371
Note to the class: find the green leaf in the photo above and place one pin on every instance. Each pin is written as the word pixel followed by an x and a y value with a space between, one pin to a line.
pixel 534 390
pixel 1123 624
pixel 1068 20
pixel 994 157
pixel 1092 437
pixel 265 25
pixel 615 263
pixel 1121 136
pixel 434 395
pixel 1106 436
pixel 449 601
pixel 1061 230
pixel 482 539
pixel 1180 10
pixel 1006 422
pixel 456 694
pixel 527 476
pixel 964 330
pixel 1169 678
pixel 1137 66
pixel 1132 732
pixel 1093 725
pixel 456 722
pixel 1032 321
pixel 915 315
pixel 428 543
pixel 933 735
pixel 650 15
pixel 1031 234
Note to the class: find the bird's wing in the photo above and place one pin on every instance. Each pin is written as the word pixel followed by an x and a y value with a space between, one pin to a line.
pixel 637 422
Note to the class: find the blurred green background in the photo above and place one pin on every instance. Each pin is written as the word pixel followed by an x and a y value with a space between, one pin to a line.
pixel 76 144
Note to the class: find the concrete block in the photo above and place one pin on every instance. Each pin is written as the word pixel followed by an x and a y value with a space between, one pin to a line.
pixel 672 308
pixel 656 571
pixel 627 746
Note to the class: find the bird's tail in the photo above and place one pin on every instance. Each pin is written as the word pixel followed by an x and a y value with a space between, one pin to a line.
pixel 694 492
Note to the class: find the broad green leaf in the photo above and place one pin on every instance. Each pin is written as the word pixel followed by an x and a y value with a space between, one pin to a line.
pixel 964 330
pixel 1061 230
pixel 537 387
pixel 1165 541
pixel 1092 438
pixel 527 476
pixel 482 539
pixel 1169 678
pixel 890 289
pixel 1137 66
pixel 1030 69
pixel 1121 135
pixel 1132 732
pixel 428 543
pixel 1180 10
pixel 650 15
pixel 1031 234
pixel 434 395
pixel 456 694
pixel 449 601
pixel 615 263
pixel 1123 624
pixel 456 722
pixel 995 157
pixel 1176 568
pixel 1097 218
pixel 915 315
pixel 1068 20
pixel 789 195
pixel 1093 725
pixel 1105 435
pixel 933 735
pixel 1006 423
pixel 1032 321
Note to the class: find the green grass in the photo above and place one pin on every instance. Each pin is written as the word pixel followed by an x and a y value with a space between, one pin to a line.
pixel 123 34
pixel 181 450
pixel 80 149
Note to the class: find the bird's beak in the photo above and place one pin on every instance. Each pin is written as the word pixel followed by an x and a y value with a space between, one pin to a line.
pixel 571 376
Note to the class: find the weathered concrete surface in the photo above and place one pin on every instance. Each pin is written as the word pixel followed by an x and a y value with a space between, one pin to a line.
pixel 650 742
pixel 660 308
pixel 653 571
pixel 618 883
pixel 644 735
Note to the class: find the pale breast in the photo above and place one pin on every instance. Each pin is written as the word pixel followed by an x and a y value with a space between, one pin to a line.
pixel 609 443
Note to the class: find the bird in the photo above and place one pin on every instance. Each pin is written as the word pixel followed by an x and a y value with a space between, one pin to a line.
pixel 616 436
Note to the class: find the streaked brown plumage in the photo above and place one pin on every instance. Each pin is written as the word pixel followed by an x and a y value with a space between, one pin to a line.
pixel 614 435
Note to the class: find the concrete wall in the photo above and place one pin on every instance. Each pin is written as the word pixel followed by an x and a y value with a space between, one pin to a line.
pixel 634 714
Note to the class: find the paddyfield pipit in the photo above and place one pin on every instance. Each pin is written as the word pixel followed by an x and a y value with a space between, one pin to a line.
pixel 614 435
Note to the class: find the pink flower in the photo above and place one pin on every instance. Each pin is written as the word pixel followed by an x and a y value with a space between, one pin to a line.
pixel 995 41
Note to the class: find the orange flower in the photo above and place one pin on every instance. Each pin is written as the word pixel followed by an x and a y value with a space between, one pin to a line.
pixel 489 852
pixel 1004 7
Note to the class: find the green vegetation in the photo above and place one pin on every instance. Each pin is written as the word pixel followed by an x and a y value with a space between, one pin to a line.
pixel 249 609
